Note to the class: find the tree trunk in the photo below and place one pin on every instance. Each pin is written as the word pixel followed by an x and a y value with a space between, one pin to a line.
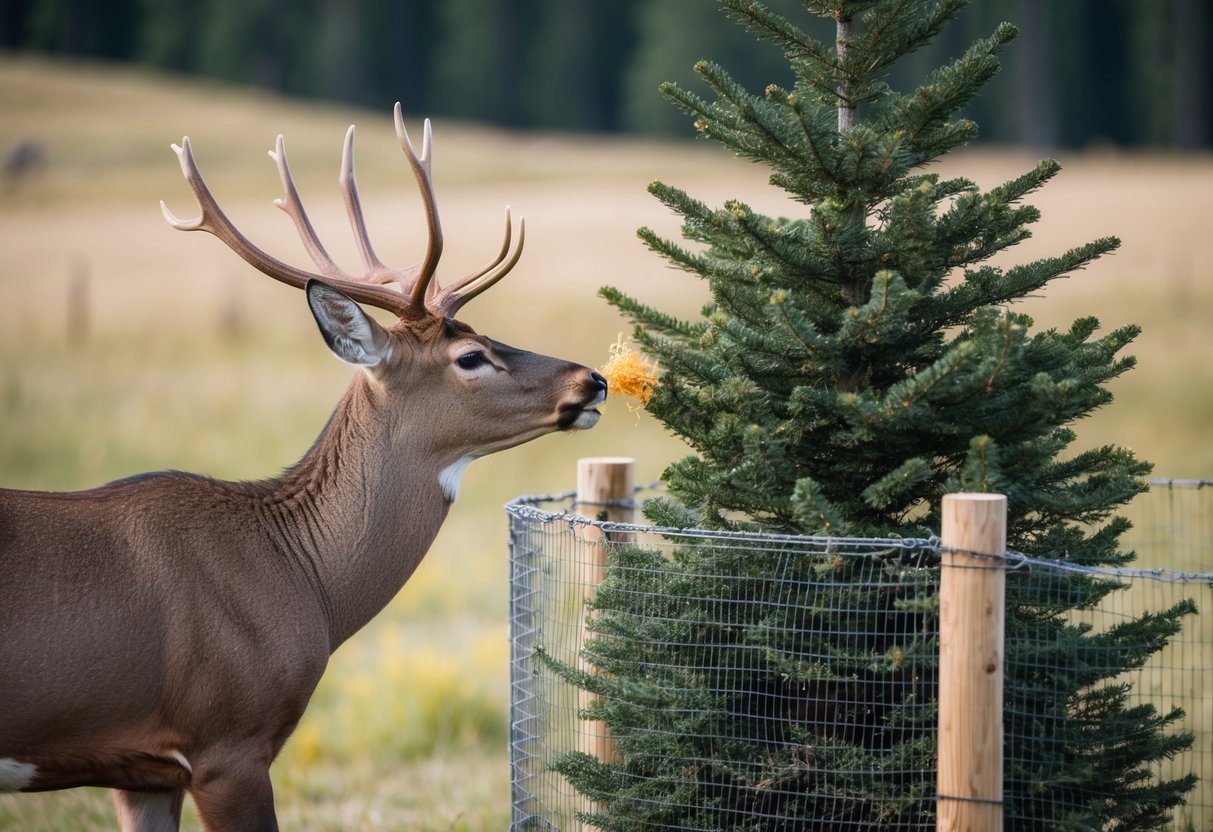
pixel 846 114
pixel 854 291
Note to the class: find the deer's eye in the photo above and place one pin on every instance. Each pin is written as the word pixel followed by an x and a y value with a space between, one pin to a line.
pixel 470 360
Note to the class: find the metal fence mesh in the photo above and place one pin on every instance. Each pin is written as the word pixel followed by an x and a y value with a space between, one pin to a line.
pixel 867 606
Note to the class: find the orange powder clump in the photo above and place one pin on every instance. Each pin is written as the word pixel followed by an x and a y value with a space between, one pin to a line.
pixel 627 373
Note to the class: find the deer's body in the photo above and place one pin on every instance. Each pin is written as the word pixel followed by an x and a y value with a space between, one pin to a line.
pixel 163 634
pixel 139 657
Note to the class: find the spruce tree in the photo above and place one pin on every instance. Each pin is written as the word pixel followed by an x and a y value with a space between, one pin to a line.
pixel 858 360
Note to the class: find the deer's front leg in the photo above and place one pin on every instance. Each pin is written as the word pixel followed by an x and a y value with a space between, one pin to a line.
pixel 237 798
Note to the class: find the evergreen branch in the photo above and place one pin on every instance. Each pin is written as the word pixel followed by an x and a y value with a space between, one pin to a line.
pixel 566 671
pixel 885 35
pixel 680 202
pixel 785 314
pixel 1011 332
pixel 1032 276
pixel 750 340
pixel 650 318
pixel 823 145
pixel 884 314
pixel 673 252
pixel 723 85
pixel 1020 187
pixel 898 485
pixel 921 385
pixel 931 143
pixel 787 132
pixel 1084 489
pixel 952 187
pixel 1096 362
pixel 907 239
pixel 1136 640
pixel 675 356
pixel 990 286
pixel 735 293
pixel 770 26
pixel 778 244
pixel 689 103
pixel 813 510
pixel 922 116
pixel 1003 229
pixel 762 129
pixel 982 469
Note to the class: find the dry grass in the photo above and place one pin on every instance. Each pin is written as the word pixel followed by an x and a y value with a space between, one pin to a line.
pixel 193 362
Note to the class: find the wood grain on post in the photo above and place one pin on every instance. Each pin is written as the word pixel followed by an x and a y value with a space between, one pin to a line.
pixel 605 490
pixel 972 595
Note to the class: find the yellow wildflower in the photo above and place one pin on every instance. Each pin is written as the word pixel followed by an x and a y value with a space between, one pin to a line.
pixel 628 373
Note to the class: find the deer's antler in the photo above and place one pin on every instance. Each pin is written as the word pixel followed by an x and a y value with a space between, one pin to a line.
pixel 418 294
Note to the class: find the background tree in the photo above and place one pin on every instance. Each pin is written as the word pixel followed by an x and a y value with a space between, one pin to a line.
pixel 478 69
pixel 858 360
pixel 672 35
pixel 167 37
pixel 1119 71
pixel 254 42
pixel 575 63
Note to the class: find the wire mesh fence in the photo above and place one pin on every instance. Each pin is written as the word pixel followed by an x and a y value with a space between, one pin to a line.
pixel 776 683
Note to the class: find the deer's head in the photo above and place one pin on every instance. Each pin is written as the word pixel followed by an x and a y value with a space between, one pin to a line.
pixel 473 395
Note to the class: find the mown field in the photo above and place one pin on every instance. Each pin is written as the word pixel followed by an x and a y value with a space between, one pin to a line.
pixel 177 355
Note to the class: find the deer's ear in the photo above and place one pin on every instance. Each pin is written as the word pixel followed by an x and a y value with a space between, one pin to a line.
pixel 351 334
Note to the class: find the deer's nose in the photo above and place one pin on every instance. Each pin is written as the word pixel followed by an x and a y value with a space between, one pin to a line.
pixel 598 382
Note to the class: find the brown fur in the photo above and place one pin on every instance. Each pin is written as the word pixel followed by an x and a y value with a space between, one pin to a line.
pixel 171 614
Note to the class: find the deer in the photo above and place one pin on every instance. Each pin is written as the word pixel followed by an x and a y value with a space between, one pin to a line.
pixel 161 635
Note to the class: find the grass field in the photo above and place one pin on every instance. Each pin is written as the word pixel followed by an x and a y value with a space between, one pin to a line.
pixel 190 360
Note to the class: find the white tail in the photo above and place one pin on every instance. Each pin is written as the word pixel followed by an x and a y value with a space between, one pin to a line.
pixel 163 634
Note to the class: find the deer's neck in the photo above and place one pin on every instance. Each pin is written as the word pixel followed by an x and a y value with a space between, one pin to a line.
pixel 357 514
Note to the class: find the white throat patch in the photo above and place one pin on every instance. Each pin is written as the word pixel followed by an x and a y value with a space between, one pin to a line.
pixel 449 477
pixel 15 775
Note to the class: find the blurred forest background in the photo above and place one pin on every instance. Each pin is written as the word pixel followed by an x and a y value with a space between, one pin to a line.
pixel 1084 73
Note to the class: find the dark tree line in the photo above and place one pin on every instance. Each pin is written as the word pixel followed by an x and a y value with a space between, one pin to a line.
pixel 1125 72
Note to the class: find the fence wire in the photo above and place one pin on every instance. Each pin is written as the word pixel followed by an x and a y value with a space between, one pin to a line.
pixel 790 683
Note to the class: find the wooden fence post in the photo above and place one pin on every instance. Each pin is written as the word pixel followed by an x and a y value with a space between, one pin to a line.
pixel 972 598
pixel 605 490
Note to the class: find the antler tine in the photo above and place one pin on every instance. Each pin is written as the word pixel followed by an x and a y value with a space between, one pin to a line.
pixel 293 206
pixel 451 300
pixel 425 182
pixel 375 268
pixel 214 221
pixel 505 249
pixel 433 290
